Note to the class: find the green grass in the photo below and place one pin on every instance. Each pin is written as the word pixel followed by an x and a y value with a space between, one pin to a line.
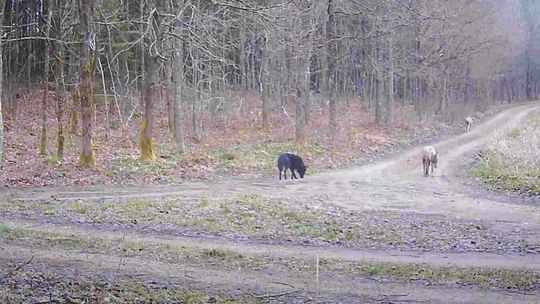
pixel 79 208
pixel 512 161
pixel 475 276
pixel 126 166
pixel 515 134
pixel 85 288
pixel 261 157
pixel 497 174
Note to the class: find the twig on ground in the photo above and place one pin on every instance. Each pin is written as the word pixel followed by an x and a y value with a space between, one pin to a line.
pixel 284 284
pixel 12 271
pixel 275 295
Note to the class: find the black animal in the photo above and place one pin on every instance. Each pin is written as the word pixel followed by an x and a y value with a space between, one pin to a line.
pixel 292 162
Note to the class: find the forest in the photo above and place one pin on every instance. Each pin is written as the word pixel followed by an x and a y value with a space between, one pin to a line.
pixel 139 141
pixel 88 68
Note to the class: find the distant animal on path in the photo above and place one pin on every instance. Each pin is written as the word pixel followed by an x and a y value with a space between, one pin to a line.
pixel 468 122
pixel 429 159
pixel 292 162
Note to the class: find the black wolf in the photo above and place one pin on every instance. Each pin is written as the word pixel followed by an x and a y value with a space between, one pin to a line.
pixel 292 162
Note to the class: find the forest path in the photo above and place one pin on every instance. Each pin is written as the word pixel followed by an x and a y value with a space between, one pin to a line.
pixel 392 184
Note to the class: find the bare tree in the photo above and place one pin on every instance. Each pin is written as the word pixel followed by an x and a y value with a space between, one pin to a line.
pixel 86 71
pixel 43 136
pixel 2 6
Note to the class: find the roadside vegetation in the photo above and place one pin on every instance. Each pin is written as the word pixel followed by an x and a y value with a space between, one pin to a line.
pixel 511 162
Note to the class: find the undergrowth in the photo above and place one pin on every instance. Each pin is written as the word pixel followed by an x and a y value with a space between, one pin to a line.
pixel 512 161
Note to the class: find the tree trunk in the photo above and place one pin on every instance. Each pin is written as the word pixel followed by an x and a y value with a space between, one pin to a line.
pixel 300 132
pixel 179 134
pixel 390 83
pixel 168 87
pixel 43 136
pixel 242 49
pixel 264 84
pixel 60 87
pixel 2 5
pixel 528 86
pixel 379 83
pixel 331 82
pixel 303 89
pixel 146 143
pixel 86 89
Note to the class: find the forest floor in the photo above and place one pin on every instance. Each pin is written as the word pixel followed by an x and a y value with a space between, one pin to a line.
pixel 231 143
pixel 373 233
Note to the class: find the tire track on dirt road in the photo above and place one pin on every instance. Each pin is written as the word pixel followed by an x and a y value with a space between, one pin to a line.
pixel 343 288
pixel 436 259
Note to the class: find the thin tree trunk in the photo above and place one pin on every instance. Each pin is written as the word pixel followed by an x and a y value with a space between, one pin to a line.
pixel 390 83
pixel 60 87
pixel 179 134
pixel 264 84
pixel 43 136
pixel 169 99
pixel 86 89
pixel 379 83
pixel 2 5
pixel 146 143
pixel 242 49
pixel 302 69
pixel 331 82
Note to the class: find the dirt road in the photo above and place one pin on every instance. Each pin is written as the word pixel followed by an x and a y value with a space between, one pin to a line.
pixel 392 191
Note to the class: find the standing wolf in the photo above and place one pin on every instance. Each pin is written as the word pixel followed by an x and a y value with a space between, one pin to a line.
pixel 293 162
pixel 429 158
pixel 468 122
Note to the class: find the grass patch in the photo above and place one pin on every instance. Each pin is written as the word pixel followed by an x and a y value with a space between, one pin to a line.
pixel 499 175
pixel 79 208
pixel 261 157
pixel 10 233
pixel 512 162
pixel 127 166
pixel 515 134
pixel 52 159
pixel 50 285
pixel 476 276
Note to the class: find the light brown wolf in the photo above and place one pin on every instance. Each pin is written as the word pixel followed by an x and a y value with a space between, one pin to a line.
pixel 429 159
pixel 468 122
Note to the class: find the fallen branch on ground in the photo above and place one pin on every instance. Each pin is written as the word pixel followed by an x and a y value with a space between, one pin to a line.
pixel 12 271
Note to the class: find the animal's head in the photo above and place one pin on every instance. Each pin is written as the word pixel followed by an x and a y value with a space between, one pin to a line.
pixel 302 171
pixel 435 159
